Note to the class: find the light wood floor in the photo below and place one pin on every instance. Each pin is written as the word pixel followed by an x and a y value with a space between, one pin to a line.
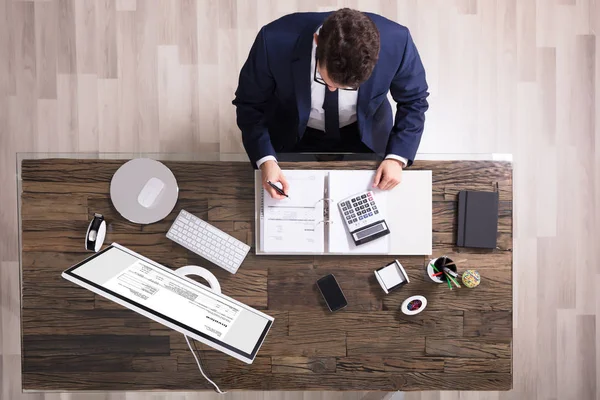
pixel 518 76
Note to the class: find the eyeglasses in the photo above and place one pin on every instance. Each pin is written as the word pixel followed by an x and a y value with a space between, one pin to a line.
pixel 320 79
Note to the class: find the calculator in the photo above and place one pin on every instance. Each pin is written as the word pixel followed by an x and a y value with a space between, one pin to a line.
pixel 362 217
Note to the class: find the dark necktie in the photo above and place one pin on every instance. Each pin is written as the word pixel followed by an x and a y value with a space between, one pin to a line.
pixel 332 114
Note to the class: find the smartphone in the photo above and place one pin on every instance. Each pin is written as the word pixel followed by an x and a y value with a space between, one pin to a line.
pixel 332 293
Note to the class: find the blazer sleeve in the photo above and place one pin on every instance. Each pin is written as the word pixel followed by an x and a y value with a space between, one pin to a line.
pixel 409 90
pixel 255 89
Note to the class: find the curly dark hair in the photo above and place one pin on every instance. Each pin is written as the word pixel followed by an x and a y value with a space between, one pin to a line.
pixel 348 47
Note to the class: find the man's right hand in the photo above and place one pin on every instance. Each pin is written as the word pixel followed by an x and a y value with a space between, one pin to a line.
pixel 271 172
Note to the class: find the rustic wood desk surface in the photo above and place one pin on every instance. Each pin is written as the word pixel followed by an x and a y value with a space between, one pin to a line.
pixel 76 340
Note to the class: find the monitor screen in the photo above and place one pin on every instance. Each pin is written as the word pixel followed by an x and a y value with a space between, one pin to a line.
pixel 160 291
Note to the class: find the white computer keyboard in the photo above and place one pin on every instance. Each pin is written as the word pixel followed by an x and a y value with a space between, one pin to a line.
pixel 207 241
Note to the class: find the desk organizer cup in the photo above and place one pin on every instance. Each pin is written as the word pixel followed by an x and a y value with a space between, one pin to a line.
pixel 392 276
pixel 438 262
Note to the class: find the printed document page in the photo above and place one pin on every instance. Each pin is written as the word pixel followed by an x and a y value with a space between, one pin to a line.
pixel 295 224
pixel 182 301
pixel 168 295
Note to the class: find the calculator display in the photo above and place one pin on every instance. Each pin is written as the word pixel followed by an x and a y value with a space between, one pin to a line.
pixel 369 231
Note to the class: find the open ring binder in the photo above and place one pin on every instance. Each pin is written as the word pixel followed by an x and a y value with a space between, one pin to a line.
pixel 309 220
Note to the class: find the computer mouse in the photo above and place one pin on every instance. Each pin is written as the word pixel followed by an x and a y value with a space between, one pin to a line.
pixel 150 192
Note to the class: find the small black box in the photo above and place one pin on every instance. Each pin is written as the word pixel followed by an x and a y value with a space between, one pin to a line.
pixel 477 219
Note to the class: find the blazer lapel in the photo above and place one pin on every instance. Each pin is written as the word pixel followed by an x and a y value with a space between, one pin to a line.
pixel 365 93
pixel 302 75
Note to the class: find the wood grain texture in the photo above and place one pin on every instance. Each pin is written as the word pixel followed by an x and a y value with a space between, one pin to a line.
pixel 371 338
pixel 303 365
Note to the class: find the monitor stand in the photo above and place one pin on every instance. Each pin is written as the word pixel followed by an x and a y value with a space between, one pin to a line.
pixel 208 276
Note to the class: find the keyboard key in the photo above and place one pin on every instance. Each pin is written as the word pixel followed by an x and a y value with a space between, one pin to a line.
pixel 208 241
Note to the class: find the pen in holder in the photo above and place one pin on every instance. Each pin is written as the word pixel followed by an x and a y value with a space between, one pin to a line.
pixel 434 270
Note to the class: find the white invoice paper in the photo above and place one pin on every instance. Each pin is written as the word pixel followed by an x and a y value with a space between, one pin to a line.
pixel 295 224
pixel 180 300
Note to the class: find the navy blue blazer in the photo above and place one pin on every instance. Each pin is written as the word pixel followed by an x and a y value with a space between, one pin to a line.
pixel 273 95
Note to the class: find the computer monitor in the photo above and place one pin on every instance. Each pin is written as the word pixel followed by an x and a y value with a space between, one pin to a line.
pixel 155 291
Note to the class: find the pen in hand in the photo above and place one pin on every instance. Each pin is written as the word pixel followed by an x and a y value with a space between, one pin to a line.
pixel 277 189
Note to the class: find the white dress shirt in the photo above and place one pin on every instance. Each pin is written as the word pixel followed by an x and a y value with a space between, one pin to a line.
pixel 347 103
pixel 347 100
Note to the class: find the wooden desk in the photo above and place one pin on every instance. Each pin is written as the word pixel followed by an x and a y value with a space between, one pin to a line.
pixel 76 340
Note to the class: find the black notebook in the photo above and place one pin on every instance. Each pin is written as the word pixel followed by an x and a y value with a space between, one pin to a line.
pixel 477 219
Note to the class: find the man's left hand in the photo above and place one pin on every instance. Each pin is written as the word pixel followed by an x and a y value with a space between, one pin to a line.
pixel 389 174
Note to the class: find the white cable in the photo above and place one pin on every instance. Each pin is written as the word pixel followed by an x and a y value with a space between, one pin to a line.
pixel 198 362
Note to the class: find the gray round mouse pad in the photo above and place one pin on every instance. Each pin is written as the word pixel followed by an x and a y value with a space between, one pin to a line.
pixel 144 191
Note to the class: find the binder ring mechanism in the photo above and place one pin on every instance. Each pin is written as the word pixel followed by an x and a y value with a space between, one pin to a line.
pixel 324 222
pixel 320 200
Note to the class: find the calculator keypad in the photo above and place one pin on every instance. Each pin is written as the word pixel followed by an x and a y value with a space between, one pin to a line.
pixel 358 209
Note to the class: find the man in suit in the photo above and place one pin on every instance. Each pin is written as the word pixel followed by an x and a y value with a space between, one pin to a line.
pixel 318 82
